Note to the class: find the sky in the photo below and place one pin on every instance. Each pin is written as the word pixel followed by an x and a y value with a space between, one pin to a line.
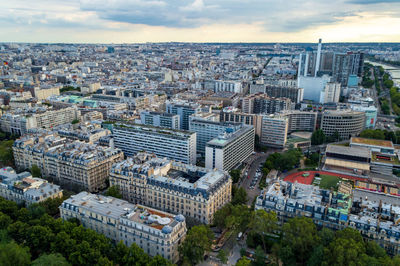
pixel 138 21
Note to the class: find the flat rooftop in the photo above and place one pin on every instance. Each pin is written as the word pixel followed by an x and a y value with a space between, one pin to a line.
pixel 224 140
pixel 376 197
pixel 117 208
pixel 372 142
pixel 350 151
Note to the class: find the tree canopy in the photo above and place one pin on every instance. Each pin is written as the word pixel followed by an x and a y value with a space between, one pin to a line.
pixel 30 236
pixel 318 137
pixel 197 242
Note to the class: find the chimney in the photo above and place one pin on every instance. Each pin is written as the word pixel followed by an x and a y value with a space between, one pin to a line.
pixel 318 57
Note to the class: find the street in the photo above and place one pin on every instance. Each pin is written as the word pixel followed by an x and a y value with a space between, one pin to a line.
pixel 257 159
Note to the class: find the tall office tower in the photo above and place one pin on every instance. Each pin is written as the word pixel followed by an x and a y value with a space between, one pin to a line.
pixel 156 232
pixel 230 149
pixel 171 186
pixel 346 64
pixel 338 65
pixel 159 119
pixel 261 103
pixel 174 144
pixel 274 131
pixel 76 164
pixel 184 110
pixel 206 130
pixel 346 123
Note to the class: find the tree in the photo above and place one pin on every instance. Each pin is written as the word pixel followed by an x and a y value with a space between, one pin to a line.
pixel 75 121
pixel 222 256
pixel 6 153
pixel 300 236
pixel 5 221
pixel 113 191
pixel 243 261
pixel 39 239
pixel 53 259
pixel 264 223
pixel 318 137
pixel 235 174
pixel 35 171
pixel 240 196
pixel 344 251
pixel 197 242
pixel 13 254
pixel 259 256
pixel 373 134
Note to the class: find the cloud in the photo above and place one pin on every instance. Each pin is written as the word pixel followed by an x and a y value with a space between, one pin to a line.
pixel 371 2
pixel 112 20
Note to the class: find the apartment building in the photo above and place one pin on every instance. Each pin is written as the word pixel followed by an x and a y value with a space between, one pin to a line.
pixel 206 130
pixel 230 114
pixel 261 103
pixel 184 110
pixel 375 215
pixel 230 149
pixel 300 120
pixel 23 188
pixel 274 131
pixel 20 122
pixel 174 144
pixel 172 186
pixel 75 164
pixel 345 123
pixel 159 119
pixel 156 232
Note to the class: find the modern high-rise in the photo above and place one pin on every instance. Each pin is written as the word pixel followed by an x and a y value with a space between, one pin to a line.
pixel 274 131
pixel 76 164
pixel 174 144
pixel 156 232
pixel 230 114
pixel 345 123
pixel 206 130
pixel 338 65
pixel 300 120
pixel 230 149
pixel 184 110
pixel 159 119
pixel 261 103
pixel 330 93
pixel 171 186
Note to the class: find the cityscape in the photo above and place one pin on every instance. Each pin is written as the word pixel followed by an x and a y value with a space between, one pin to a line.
pixel 229 148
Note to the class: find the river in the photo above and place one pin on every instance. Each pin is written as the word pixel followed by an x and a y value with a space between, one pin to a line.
pixel 393 71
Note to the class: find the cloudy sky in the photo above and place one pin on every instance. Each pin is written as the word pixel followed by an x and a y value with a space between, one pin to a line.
pixel 128 21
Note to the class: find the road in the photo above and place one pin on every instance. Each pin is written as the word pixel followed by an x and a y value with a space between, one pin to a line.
pixel 256 160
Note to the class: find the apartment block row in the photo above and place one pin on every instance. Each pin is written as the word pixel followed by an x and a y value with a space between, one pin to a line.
pixel 156 232
pixel 375 215
pixel 172 186
pixel 20 122
pixel 75 163
pixel 25 189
